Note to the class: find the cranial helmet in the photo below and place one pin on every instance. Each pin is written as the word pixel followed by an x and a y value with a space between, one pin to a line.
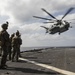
pixel 5 25
pixel 17 33
pixel 12 35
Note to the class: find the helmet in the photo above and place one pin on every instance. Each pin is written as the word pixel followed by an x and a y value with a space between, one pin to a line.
pixel 5 25
pixel 17 33
pixel 12 35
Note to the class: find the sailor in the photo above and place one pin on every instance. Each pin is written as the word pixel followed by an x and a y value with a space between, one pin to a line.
pixel 4 42
pixel 10 46
pixel 16 42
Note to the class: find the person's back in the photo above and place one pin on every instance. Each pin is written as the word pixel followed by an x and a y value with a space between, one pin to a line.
pixel 15 41
pixel 20 43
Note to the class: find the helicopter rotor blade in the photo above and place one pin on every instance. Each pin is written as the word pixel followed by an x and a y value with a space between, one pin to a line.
pixel 48 22
pixel 44 27
pixel 41 18
pixel 71 19
pixel 67 12
pixel 48 13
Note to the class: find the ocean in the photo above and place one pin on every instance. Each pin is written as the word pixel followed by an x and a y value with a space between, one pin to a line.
pixel 31 48
pixel 43 47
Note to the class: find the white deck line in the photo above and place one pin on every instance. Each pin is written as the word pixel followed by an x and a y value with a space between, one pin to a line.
pixel 65 72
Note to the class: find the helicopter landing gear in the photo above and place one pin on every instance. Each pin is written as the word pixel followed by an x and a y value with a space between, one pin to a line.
pixel 59 33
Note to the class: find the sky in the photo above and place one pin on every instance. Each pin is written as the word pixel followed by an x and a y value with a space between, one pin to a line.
pixel 19 14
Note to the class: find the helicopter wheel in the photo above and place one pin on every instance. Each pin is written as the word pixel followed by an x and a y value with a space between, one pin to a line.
pixel 59 33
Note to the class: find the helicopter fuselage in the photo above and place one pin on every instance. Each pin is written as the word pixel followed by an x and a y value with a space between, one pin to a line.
pixel 59 28
pixel 54 29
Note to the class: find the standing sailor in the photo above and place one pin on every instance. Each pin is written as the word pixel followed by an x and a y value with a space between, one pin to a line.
pixel 4 42
pixel 16 42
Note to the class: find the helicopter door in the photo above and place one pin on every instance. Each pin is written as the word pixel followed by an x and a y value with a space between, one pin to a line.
pixel 54 29
pixel 63 28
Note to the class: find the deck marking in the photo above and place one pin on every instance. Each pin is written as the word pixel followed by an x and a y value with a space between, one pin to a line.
pixel 65 72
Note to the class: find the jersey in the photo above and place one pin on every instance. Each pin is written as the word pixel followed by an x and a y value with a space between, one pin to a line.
pixel 16 41
pixel 4 38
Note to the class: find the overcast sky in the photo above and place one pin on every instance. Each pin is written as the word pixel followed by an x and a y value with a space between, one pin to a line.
pixel 20 14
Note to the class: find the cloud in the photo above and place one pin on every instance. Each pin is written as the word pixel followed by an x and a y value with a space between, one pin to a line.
pixel 20 16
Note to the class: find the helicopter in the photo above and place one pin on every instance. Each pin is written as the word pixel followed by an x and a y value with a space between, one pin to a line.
pixel 60 26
